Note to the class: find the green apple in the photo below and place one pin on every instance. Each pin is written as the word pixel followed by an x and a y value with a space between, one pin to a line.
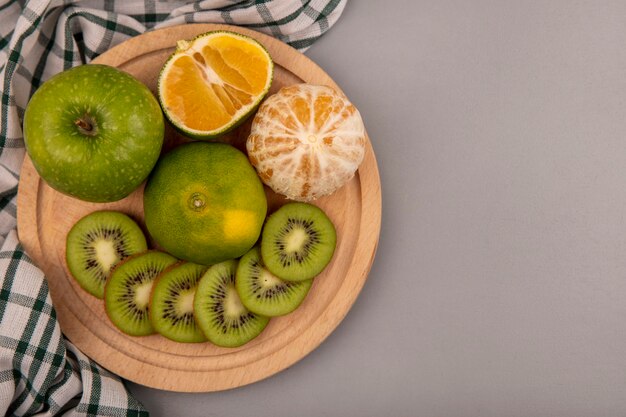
pixel 93 132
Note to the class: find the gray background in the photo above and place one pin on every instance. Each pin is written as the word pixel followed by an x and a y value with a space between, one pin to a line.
pixel 499 287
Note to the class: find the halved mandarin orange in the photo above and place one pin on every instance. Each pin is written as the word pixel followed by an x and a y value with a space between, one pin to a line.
pixel 214 82
pixel 306 141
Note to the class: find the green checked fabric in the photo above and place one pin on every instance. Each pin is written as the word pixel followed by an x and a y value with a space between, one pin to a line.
pixel 41 373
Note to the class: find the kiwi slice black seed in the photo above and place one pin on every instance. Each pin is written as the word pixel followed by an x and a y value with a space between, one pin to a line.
pixel 263 292
pixel 96 243
pixel 223 318
pixel 127 291
pixel 298 241
pixel 171 303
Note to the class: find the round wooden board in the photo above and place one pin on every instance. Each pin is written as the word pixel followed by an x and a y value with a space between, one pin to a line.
pixel 45 217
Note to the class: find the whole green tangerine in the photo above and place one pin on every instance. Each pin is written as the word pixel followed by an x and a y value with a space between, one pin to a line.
pixel 93 132
pixel 204 203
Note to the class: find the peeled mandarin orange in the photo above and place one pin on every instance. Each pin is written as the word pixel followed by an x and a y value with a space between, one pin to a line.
pixel 306 141
pixel 214 82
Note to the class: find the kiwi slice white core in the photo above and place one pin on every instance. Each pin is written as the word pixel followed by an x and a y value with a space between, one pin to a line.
pixel 142 294
pixel 185 303
pixel 295 240
pixel 232 304
pixel 106 254
pixel 268 280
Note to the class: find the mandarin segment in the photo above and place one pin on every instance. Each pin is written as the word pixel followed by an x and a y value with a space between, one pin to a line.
pixel 306 141
pixel 187 97
pixel 224 71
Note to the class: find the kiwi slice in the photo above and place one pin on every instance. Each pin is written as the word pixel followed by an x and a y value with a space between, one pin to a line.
pixel 96 243
pixel 171 303
pixel 220 314
pixel 298 241
pixel 127 291
pixel 263 292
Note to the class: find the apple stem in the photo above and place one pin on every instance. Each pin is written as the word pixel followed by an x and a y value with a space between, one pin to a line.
pixel 83 125
pixel 86 125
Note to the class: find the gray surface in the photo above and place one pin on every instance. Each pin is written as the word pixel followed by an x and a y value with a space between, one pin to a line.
pixel 499 288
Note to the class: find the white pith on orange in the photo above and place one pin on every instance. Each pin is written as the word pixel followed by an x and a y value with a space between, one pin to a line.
pixel 306 141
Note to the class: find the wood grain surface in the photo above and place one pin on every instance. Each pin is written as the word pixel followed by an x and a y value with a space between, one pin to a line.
pixel 45 217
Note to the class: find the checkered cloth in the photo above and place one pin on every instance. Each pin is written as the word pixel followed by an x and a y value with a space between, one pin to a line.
pixel 41 373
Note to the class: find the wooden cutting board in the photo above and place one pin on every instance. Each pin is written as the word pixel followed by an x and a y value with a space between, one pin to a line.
pixel 45 217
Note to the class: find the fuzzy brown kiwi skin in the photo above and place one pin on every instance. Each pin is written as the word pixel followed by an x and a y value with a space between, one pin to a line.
pixel 119 264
